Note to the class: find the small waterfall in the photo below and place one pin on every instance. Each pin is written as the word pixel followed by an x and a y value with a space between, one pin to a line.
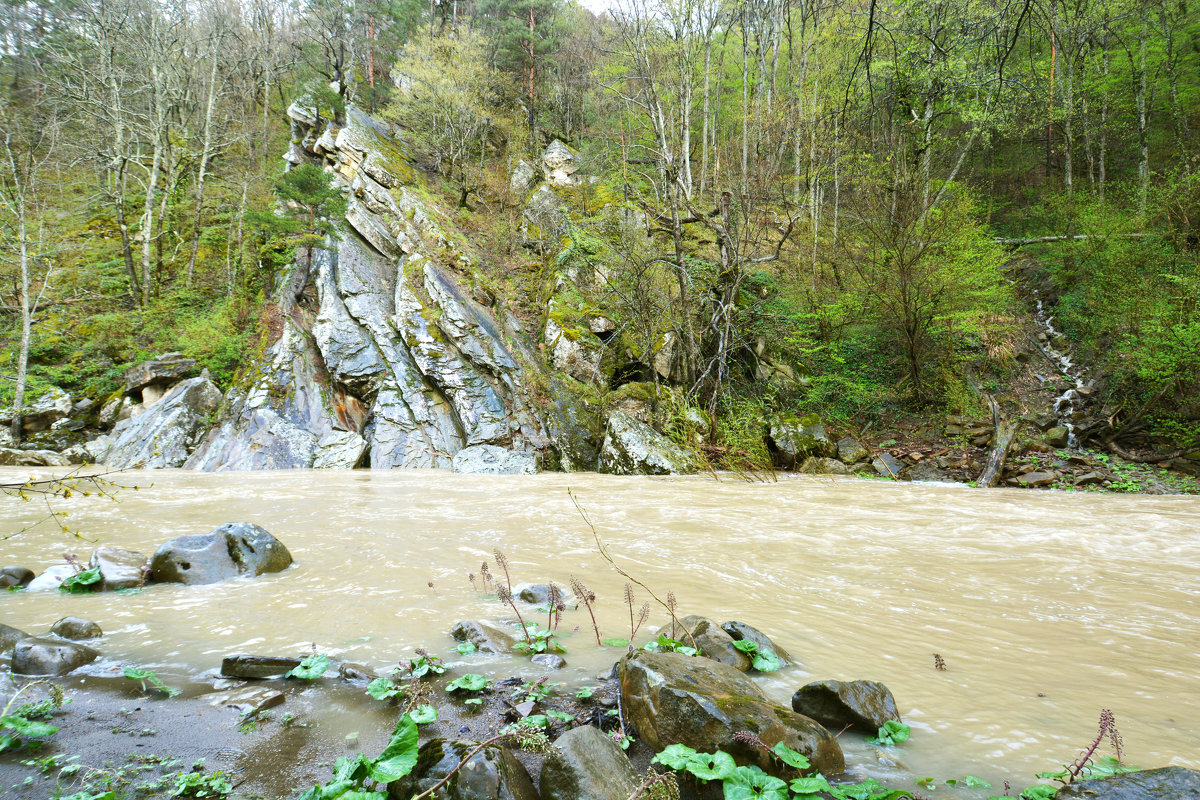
pixel 1069 402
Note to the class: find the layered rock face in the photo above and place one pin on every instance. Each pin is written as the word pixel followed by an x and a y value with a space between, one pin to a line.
pixel 384 358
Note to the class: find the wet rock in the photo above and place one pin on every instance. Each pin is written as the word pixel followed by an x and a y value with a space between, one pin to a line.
pixel 741 631
pixel 851 452
pixel 78 454
pixel 161 371
pixel 1037 478
pixel 236 548
pixel 927 471
pixel 492 460
pixel 10 636
pixel 549 661
pixel 15 576
pixel 1089 479
pixel 76 628
pixel 672 698
pixel 585 764
pixel 492 774
pixel 538 594
pixel 1058 436
pixel 48 657
pixel 712 641
pixel 571 424
pixel 1166 783
pixel 10 457
pixel 864 705
pixel 247 699
pixel 823 466
pixel 166 434
pixel 252 667
pixel 50 578
pixel 889 466
pixel 634 448
pixel 120 569
pixel 356 674
pixel 793 439
pixel 486 638
pixel 110 410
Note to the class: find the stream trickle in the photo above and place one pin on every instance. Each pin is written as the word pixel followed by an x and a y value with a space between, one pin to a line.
pixel 1046 607
pixel 1067 405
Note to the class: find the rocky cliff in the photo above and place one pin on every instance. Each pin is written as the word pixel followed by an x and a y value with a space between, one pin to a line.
pixel 382 354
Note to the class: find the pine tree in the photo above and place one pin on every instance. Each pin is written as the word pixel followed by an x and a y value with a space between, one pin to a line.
pixel 525 34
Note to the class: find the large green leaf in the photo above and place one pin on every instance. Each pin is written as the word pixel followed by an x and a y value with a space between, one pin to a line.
pixel 400 755
pixel 148 676
pixel 674 756
pixel 34 729
pixel 711 766
pixel 471 682
pixel 751 783
pixel 83 582
pixel 310 668
pixel 383 689
pixel 790 757
pixel 891 733
pixel 424 715
pixel 746 645
pixel 766 661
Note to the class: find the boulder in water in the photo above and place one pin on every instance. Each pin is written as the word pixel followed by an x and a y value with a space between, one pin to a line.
pixel 119 568
pixel 864 705
pixel 10 636
pixel 49 657
pixel 634 448
pixel 740 631
pixel 51 578
pixel 486 638
pixel 676 699
pixel 15 576
pixel 76 628
pixel 793 439
pixel 711 640
pixel 251 667
pixel 1166 783
pixel 491 774
pixel 585 764
pixel 814 465
pixel 236 548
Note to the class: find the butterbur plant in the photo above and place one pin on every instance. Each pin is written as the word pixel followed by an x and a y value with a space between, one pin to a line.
pixel 587 597
pixel 502 562
pixel 506 596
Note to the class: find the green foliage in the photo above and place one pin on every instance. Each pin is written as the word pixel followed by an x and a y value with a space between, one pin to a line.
pixel 199 784
pixel 16 730
pixel 892 733
pixel 310 668
pixel 81 582
pixel 470 682
pixel 362 778
pixel 145 676
pixel 539 640
pixel 665 644
pixel 313 189
pixel 761 660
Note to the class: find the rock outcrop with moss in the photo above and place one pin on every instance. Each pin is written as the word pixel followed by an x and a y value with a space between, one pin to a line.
pixel 387 354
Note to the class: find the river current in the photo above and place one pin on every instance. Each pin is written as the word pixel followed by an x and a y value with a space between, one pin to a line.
pixel 1044 606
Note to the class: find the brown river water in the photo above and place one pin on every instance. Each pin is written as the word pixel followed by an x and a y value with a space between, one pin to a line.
pixel 1046 606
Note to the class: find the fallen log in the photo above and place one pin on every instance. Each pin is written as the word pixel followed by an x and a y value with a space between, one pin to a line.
pixel 1002 438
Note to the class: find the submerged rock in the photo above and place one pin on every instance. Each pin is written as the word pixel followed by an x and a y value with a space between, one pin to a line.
pixel 864 705
pixel 634 448
pixel 585 764
pixel 1166 783
pixel 49 657
pixel 492 774
pixel 10 636
pixel 741 631
pixel 236 548
pixel 251 667
pixel 76 628
pixel 672 698
pixel 486 638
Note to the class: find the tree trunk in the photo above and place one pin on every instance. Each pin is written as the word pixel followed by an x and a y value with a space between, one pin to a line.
pixel 1002 436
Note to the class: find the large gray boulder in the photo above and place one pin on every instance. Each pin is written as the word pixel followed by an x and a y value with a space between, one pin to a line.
pixel 161 371
pixel 167 433
pixel 863 705
pixel 49 657
pixel 491 774
pixel 236 548
pixel 585 764
pixel 560 165
pixel 119 568
pixel 575 351
pixel 711 641
pixel 634 448
pixel 493 460
pixel 1166 783
pixel 676 699
pixel 11 457
pixel 794 439
pixel 52 406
